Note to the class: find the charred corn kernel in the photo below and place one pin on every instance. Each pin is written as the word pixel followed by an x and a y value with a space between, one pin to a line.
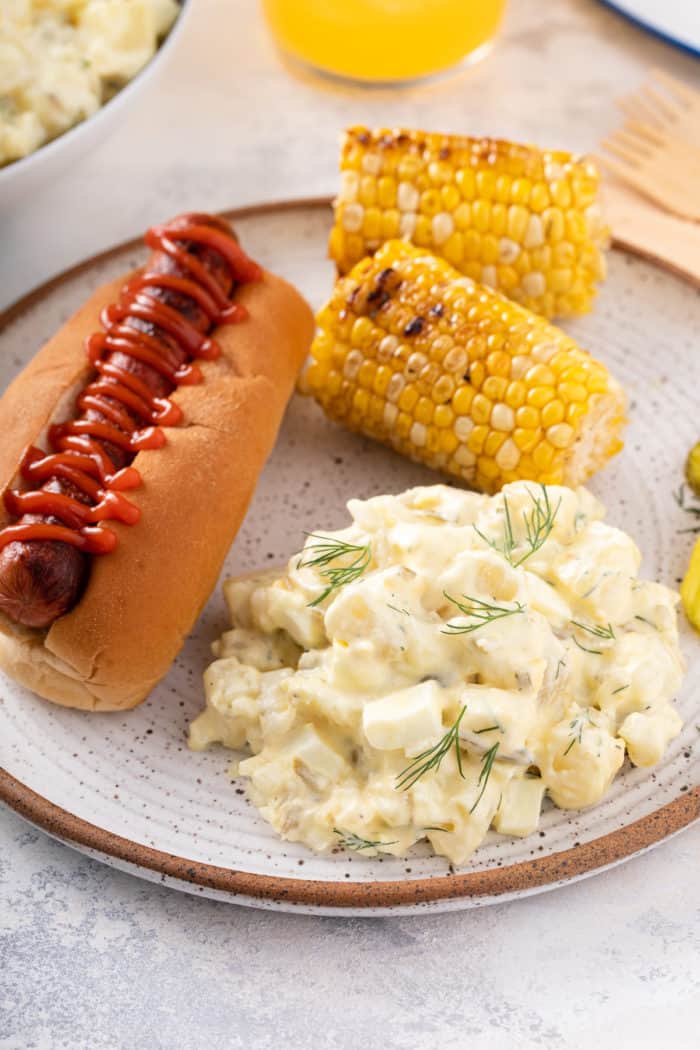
pixel 692 469
pixel 446 371
pixel 434 186
pixel 690 588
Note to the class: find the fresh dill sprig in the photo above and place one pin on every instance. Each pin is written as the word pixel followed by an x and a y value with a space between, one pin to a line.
pixel 436 827
pixel 432 758
pixel 577 725
pixel 349 840
pixel 538 525
pixel 597 632
pixel 481 612
pixel 486 766
pixel 328 550
pixel 694 511
pixel 396 608
pixel 488 729
pixel 620 689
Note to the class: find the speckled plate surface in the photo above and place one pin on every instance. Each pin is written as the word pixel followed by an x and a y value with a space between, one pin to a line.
pixel 124 787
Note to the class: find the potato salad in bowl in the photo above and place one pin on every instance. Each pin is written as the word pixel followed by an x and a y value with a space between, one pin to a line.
pixel 440 666
pixel 61 60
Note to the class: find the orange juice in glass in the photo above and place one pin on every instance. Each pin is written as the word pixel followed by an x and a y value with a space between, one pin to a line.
pixel 383 40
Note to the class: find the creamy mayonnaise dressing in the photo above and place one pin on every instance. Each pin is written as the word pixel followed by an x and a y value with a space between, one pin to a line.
pixel 61 59
pixel 479 653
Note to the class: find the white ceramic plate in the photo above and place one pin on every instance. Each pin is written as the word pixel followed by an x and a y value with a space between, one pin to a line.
pixel 125 788
pixel 676 21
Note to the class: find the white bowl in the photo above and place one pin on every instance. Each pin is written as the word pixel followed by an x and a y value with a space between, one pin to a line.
pixel 21 176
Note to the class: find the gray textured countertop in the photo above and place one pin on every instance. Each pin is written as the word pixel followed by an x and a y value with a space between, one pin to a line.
pixel 93 958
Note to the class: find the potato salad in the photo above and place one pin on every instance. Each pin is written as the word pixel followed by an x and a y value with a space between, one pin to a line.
pixel 60 60
pixel 439 666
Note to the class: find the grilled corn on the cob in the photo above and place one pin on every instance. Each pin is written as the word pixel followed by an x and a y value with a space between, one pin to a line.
pixel 518 219
pixel 456 376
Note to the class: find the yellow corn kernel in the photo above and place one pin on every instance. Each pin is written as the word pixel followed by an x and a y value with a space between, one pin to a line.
pixel 515 394
pixel 539 197
pixel 423 231
pixel 552 413
pixel 527 440
pixel 520 191
pixel 390 224
pixel 561 193
pixel 424 410
pixel 453 248
pixel 408 398
pixel 481 408
pixel 502 190
pixel 487 468
pixel 507 278
pixel 575 226
pixel 372 224
pixel 472 246
pixel 403 424
pixel 561 435
pixel 573 391
pixel 481 215
pixel 498 363
pixel 563 254
pixel 518 218
pixel 463 216
pixel 366 373
pixel 430 202
pixel 477 374
pixel 543 455
pixel 494 387
pixel 444 416
pixel 493 443
pixel 485 185
pixel 386 191
pixel 575 412
pixel 447 441
pixel 360 401
pixel 528 417
pixel 466 181
pixel 477 438
pixel 499 219
pixel 450 198
pixel 553 224
pixel 362 332
pixel 462 400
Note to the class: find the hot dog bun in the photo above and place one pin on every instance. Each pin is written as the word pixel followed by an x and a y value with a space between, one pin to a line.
pixel 141 600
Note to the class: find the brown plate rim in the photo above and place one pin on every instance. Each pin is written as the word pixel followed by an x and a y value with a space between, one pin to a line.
pixel 548 871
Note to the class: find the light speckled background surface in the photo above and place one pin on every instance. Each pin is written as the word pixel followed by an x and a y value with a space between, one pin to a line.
pixel 92 958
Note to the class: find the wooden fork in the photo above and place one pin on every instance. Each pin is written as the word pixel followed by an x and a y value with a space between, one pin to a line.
pixel 657 150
